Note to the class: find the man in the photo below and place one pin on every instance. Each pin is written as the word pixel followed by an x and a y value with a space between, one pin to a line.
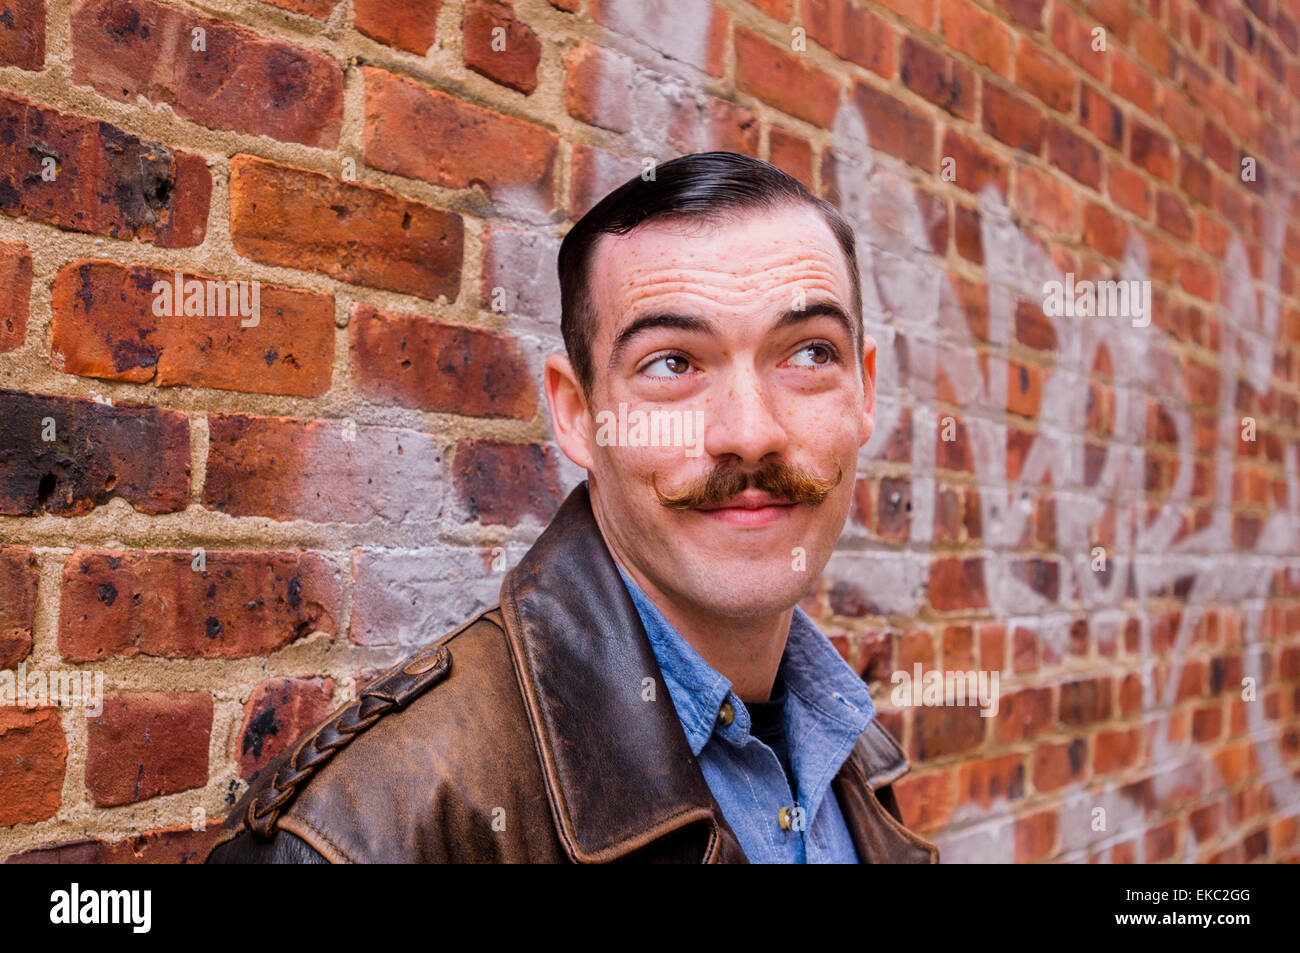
pixel 647 689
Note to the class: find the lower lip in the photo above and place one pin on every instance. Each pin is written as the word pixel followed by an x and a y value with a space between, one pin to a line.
pixel 739 516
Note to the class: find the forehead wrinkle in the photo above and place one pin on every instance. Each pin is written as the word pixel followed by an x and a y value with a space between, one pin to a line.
pixel 742 288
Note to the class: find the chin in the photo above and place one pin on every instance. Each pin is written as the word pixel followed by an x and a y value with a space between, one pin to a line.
pixel 747 591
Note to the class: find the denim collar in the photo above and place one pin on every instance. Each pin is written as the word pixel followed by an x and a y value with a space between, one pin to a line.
pixel 818 680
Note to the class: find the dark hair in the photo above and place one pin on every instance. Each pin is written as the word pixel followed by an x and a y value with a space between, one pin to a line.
pixel 699 187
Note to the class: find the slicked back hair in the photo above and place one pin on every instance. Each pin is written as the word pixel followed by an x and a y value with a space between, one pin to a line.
pixel 702 187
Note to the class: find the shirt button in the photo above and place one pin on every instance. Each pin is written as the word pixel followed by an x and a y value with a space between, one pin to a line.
pixel 726 714
pixel 783 818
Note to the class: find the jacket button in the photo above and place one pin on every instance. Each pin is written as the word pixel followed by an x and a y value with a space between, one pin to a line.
pixel 783 818
pixel 726 714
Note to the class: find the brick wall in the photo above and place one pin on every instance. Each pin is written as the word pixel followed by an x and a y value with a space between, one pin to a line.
pixel 235 523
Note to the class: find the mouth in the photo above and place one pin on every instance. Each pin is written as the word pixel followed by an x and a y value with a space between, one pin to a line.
pixel 751 508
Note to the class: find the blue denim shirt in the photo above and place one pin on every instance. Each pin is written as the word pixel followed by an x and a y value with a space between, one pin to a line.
pixel 827 708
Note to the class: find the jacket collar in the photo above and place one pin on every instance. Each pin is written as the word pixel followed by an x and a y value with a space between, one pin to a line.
pixel 582 656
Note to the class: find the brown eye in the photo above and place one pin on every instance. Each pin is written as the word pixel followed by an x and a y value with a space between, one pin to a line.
pixel 673 365
pixel 677 365
pixel 816 354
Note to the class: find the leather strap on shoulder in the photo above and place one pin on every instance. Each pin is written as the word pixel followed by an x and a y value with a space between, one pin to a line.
pixel 390 693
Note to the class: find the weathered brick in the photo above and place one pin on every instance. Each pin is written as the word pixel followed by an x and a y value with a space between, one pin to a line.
pixel 1036 836
pixel 146 744
pixel 694 34
pixel 500 46
pixel 426 134
pixel 498 482
pixel 1023 715
pixel 409 25
pixel 895 127
pixel 22 34
pixel 320 9
pixel 278 712
pixel 988 780
pixel 1101 117
pixel 33 755
pixel 977 33
pixel 926 800
pixel 99 179
pixel 596 172
pixel 15 294
pixel 851 33
pixel 159 603
pixel 322 471
pixel 783 80
pixel 106 324
pixel 791 154
pixel 412 361
pixel 946 730
pixel 288 216
pixel 598 87
pixel 938 78
pixel 239 80
pixel 19 580
pixel 957 583
pixel 1057 765
pixel 94 452
pixel 1115 750
pixel 974 167
pixel 178 845
pixel 1012 119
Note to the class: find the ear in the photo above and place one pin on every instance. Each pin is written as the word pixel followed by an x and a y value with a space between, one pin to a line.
pixel 868 387
pixel 570 417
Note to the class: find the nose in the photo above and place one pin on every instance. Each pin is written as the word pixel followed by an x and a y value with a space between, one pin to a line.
pixel 741 421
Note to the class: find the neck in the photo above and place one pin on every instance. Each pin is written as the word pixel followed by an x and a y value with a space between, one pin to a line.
pixel 747 652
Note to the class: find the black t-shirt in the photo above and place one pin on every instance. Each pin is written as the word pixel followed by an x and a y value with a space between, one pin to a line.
pixel 767 724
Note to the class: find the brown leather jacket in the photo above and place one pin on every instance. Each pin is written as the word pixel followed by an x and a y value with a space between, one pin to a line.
pixel 523 737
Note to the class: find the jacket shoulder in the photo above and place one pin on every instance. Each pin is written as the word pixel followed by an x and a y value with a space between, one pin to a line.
pixel 343 779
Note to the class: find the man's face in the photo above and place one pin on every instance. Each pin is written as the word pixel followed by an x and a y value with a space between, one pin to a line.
pixel 731 326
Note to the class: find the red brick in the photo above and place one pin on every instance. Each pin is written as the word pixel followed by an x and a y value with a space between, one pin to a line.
pixel 1129 81
pixel 413 361
pixel 1173 215
pixel 33 755
pixel 286 469
pixel 895 127
pixel 704 125
pixel 1104 232
pixel 15 294
pixel 155 603
pixel 22 34
pixel 501 483
pixel 426 134
pixel 946 730
pixel 938 78
pixel 595 173
pixel 105 325
pixel 1023 715
pixel 1152 151
pixel 1128 189
pixel 1101 117
pixel 1036 836
pixel 1025 12
pixel 106 181
pixel 409 25
pixel 279 711
pixel 1043 76
pixel 18 586
pixel 177 845
pixel 987 780
pixel 780 10
pixel 598 87
pixel 1045 199
pixel 791 154
pixel 1074 38
pixel 1074 155
pixel 1011 119
pixel 1056 765
pixel 288 216
pixel 783 80
pixel 957 584
pixel 926 800
pixel 1085 701
pixel 146 744
pixel 242 80
pixel 320 9
pixel 851 33
pixel 920 12
pixel 978 34
pixel 141 454
pixel 490 25
pixel 1115 750
pixel 966 234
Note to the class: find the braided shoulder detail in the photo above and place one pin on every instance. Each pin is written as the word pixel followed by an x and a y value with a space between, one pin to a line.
pixel 392 692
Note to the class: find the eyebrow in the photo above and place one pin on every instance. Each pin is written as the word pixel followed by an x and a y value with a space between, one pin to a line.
pixel 698 325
